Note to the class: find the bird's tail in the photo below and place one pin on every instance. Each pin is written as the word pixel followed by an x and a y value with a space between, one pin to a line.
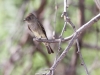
pixel 49 48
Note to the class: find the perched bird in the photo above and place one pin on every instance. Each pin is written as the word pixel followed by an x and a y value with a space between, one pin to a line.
pixel 37 29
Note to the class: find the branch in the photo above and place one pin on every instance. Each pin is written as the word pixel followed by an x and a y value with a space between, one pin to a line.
pixel 80 30
pixel 75 36
pixel 62 55
pixel 53 40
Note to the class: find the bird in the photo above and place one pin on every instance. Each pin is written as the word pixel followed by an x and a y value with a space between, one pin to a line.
pixel 35 26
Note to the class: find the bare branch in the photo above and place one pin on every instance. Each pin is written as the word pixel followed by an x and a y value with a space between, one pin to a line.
pixel 63 54
pixel 80 30
pixel 53 40
pixel 75 36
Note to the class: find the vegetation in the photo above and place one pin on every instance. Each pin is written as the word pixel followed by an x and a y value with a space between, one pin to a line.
pixel 20 55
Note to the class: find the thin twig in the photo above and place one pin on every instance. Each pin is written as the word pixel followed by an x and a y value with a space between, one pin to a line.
pixel 53 40
pixel 55 18
pixel 64 27
pixel 80 30
pixel 75 36
pixel 56 7
pixel 79 52
pixel 63 54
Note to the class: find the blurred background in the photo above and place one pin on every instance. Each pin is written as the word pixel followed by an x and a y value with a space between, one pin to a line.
pixel 19 55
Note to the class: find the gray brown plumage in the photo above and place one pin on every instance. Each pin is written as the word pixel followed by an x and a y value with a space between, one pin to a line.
pixel 37 29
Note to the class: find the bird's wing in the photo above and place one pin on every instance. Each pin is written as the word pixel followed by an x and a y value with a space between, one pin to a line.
pixel 29 28
pixel 42 27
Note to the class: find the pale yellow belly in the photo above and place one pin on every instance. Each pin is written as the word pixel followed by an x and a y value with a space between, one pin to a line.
pixel 39 34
